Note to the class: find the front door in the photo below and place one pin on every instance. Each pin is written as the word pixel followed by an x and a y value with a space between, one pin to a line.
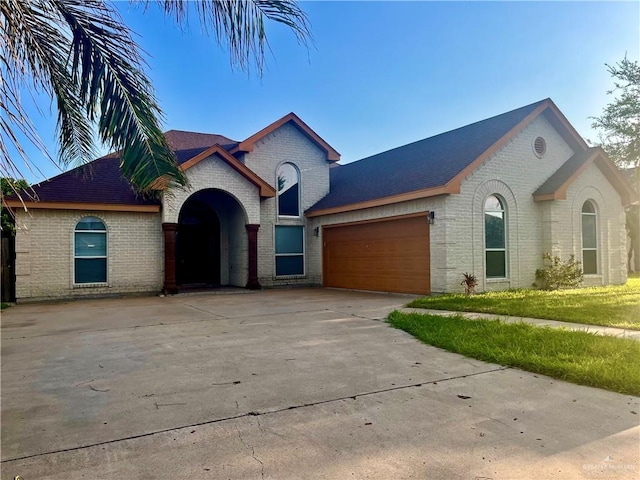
pixel 198 245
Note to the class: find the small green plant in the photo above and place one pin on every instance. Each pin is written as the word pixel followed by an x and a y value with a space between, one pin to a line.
pixel 469 282
pixel 560 274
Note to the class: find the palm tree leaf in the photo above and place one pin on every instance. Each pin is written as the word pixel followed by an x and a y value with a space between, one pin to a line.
pixel 108 69
pixel 240 24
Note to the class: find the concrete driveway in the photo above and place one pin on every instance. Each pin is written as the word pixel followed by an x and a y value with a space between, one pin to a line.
pixel 283 384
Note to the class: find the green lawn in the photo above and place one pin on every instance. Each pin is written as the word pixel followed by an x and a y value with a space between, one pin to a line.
pixel 614 306
pixel 574 356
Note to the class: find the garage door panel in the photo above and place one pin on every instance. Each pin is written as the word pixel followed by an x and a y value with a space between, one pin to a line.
pixel 390 255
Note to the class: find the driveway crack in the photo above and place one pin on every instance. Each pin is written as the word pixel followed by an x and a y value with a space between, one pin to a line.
pixel 255 414
pixel 252 448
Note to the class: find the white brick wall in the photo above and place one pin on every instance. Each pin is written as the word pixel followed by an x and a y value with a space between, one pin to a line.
pixel 213 173
pixel 288 145
pixel 611 234
pixel 514 172
pixel 44 253
pixel 44 241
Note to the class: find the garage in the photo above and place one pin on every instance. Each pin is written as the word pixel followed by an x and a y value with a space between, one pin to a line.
pixel 390 255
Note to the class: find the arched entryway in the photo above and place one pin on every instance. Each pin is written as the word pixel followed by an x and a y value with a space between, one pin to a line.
pixel 198 245
pixel 211 245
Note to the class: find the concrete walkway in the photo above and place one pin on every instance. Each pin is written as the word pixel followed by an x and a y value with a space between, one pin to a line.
pixel 614 332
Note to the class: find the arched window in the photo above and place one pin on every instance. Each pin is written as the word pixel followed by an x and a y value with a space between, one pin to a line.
pixel 589 239
pixel 90 251
pixel 288 179
pixel 495 237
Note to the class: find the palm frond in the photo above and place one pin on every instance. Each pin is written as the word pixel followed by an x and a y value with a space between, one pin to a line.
pixel 240 24
pixel 80 52
pixel 108 70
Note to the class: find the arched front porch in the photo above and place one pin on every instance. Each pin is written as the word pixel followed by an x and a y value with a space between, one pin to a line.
pixel 212 244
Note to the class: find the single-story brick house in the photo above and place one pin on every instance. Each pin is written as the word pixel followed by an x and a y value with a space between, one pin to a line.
pixel 276 209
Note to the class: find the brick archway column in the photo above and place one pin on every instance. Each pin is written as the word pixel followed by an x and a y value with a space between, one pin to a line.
pixel 169 230
pixel 252 231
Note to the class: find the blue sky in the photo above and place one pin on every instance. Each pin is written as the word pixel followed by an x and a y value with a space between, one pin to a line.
pixel 383 74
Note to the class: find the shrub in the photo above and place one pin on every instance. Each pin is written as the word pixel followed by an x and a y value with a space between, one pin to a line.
pixel 469 282
pixel 560 274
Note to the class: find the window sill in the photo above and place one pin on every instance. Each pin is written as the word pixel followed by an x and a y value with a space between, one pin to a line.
pixel 497 280
pixel 90 285
pixel 289 277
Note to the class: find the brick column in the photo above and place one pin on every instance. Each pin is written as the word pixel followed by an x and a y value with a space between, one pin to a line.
pixel 169 230
pixel 252 231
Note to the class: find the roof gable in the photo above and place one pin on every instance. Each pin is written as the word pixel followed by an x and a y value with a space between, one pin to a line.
pixel 436 165
pixel 100 185
pixel 555 187
pixel 433 166
pixel 266 190
pixel 248 144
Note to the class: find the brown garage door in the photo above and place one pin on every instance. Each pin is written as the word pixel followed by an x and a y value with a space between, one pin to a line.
pixel 388 256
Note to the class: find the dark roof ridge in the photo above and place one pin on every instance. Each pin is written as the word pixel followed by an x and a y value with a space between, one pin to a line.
pixel 179 130
pixel 529 106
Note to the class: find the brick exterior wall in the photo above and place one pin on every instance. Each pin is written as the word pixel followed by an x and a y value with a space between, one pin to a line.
pixel 288 145
pixel 44 254
pixel 213 173
pixel 44 242
pixel 514 173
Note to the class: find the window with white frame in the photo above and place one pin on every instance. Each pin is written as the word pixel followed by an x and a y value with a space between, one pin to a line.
pixel 288 182
pixel 289 250
pixel 495 238
pixel 90 251
pixel 589 239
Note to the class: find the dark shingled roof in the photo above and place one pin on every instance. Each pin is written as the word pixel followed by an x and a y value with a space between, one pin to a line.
pixel 187 145
pixel 568 168
pixel 101 180
pixel 428 163
pixel 98 182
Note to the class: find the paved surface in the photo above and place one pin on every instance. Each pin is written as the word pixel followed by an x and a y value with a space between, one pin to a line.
pixel 611 331
pixel 284 384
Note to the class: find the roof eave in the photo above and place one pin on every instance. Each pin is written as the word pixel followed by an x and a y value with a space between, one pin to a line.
pixel 110 207
pixel 448 189
pixel 627 194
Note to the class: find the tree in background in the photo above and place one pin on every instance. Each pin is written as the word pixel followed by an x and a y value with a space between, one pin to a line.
pixel 7 187
pixel 81 54
pixel 619 124
pixel 619 127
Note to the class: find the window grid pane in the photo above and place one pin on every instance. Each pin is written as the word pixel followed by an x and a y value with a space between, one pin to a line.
pixel 288 186
pixel 495 242
pixel 589 239
pixel 289 239
pixel 90 223
pixel 588 231
pixel 494 230
pixel 590 262
pixel 90 270
pixel 290 265
pixel 496 264
pixel 90 244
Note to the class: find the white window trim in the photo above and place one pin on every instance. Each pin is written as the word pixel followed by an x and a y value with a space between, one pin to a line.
pixel 503 202
pixel 299 192
pixel 74 256
pixel 590 249
pixel 304 253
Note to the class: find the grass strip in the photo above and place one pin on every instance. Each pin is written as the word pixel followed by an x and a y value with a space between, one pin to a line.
pixel 611 306
pixel 584 358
